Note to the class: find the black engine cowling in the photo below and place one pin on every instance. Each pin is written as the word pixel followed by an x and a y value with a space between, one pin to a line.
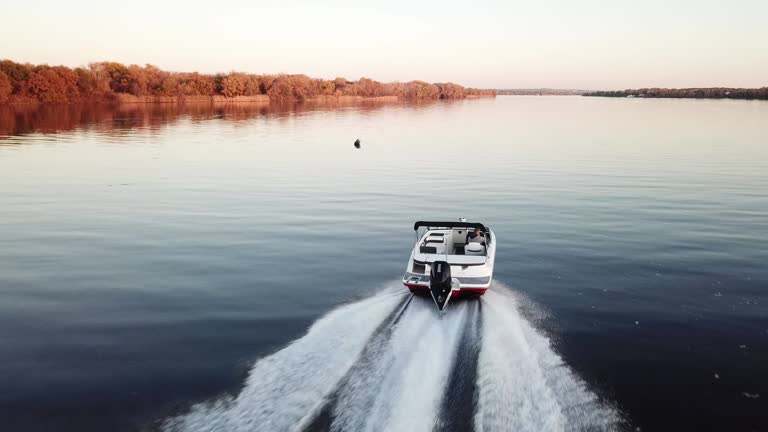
pixel 440 283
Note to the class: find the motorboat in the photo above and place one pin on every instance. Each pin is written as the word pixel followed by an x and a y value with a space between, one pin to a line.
pixel 450 259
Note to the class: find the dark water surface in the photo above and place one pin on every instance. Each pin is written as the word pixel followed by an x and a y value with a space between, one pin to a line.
pixel 149 256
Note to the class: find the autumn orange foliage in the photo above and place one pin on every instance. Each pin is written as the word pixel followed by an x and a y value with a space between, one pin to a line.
pixel 5 87
pixel 104 80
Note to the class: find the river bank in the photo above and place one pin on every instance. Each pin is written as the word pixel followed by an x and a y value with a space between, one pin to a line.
pixel 128 99
pixel 110 82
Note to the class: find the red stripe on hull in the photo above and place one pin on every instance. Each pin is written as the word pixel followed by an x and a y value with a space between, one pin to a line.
pixel 422 288
pixel 480 291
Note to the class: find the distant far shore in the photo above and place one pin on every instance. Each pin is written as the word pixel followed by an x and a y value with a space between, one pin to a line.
pixel 110 82
pixel 684 93
pixel 687 93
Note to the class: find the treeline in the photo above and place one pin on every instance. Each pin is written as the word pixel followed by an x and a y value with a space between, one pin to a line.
pixel 105 80
pixel 696 93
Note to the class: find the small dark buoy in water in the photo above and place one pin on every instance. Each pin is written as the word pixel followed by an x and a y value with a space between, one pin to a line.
pixel 357 143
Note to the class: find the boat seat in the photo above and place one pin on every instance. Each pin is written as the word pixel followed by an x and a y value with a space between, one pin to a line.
pixel 474 248
pixel 462 260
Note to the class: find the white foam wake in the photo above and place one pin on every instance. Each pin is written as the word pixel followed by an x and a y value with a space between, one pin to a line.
pixel 402 387
pixel 284 388
pixel 360 379
pixel 523 384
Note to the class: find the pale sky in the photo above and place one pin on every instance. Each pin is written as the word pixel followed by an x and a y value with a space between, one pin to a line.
pixel 585 44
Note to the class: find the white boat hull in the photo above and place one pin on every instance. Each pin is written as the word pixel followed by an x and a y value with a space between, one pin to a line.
pixel 471 275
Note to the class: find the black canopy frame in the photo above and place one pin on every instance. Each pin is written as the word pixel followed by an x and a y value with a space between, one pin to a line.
pixel 433 224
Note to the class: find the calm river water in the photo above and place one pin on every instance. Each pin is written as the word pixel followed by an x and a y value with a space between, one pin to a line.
pixel 156 263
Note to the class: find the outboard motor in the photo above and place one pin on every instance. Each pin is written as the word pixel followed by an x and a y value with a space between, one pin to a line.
pixel 440 283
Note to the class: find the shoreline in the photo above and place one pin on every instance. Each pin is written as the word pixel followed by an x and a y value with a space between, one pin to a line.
pixel 126 99
pixel 111 82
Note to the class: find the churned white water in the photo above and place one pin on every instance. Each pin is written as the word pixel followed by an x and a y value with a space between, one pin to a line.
pixel 287 386
pixel 523 383
pixel 394 379
pixel 402 388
